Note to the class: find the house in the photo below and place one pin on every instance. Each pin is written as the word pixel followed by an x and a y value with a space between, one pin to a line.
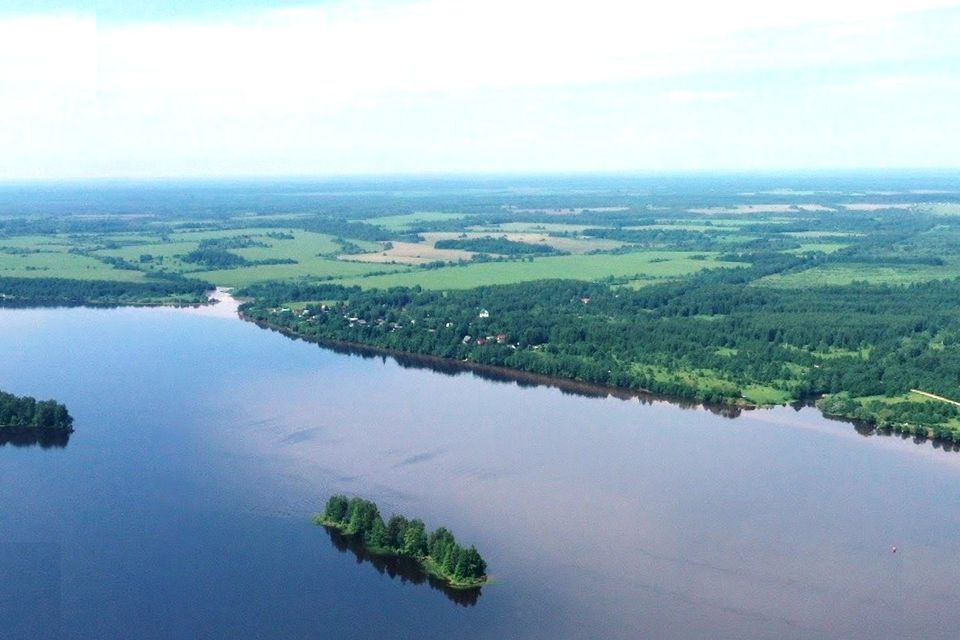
pixel 484 313
pixel 481 341
pixel 501 338
pixel 467 339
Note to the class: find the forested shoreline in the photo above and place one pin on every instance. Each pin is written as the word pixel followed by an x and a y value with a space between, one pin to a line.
pixel 709 338
pixel 66 292
pixel 437 552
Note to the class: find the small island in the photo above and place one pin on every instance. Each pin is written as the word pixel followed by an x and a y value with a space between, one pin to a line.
pixel 26 414
pixel 438 552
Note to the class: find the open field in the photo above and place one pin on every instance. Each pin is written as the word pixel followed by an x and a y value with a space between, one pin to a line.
pixel 62 265
pixel 653 265
pixel 411 253
pixel 842 274
pixel 317 269
pixel 404 222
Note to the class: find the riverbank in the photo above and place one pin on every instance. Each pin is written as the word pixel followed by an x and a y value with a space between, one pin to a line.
pixel 506 374
pixel 877 415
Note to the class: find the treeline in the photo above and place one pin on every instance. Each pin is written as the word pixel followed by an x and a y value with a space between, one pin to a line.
pixel 19 413
pixel 500 246
pixel 237 242
pixel 661 238
pixel 337 227
pixel 22 292
pixel 438 552
pixel 214 257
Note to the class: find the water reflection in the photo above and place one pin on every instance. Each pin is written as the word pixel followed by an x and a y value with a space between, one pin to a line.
pixel 45 438
pixel 404 569
pixel 522 379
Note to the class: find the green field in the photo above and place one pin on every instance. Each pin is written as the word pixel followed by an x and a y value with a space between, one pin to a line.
pixel 62 265
pixel 653 265
pixel 404 222
pixel 843 274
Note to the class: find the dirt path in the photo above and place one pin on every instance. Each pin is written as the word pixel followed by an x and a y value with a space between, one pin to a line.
pixel 935 397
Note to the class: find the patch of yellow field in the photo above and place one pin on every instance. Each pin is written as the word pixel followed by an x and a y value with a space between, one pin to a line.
pixel 742 209
pixel 410 253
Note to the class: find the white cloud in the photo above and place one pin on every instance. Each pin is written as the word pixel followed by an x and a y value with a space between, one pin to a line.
pixel 298 85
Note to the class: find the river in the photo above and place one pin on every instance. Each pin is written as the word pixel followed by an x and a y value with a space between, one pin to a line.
pixel 180 507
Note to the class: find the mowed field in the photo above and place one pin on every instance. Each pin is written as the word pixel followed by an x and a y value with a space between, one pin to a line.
pixel 842 274
pixel 645 265
pixel 60 264
pixel 412 253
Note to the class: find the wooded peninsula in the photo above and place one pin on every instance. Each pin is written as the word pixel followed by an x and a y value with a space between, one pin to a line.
pixel 438 552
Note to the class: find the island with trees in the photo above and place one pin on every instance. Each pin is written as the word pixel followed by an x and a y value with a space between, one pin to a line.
pixel 438 552
pixel 23 413
pixel 26 421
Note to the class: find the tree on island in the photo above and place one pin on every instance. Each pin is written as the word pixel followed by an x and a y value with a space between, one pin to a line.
pixel 23 413
pixel 438 552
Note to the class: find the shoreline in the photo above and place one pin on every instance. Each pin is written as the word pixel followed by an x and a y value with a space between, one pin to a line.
pixel 566 385
pixel 507 374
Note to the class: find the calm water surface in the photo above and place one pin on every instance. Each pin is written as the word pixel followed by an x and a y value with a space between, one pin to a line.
pixel 181 506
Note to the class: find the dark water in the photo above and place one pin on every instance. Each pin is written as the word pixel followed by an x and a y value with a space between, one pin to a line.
pixel 181 506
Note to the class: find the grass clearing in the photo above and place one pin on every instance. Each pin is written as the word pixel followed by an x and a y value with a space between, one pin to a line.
pixel 406 221
pixel 61 264
pixel 763 394
pixel 410 253
pixel 843 274
pixel 656 265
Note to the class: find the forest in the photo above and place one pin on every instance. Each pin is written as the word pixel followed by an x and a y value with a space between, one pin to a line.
pixel 437 551
pixel 22 292
pixel 501 246
pixel 24 413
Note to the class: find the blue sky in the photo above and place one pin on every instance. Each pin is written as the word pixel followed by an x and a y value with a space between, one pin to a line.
pixel 222 88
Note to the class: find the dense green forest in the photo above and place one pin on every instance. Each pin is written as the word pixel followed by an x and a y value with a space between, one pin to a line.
pixel 19 292
pixel 437 551
pixel 24 413
pixel 500 246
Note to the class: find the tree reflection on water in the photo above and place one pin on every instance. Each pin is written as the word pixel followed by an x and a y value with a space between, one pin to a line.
pixel 401 568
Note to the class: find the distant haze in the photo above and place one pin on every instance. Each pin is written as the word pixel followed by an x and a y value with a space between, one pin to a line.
pixel 137 89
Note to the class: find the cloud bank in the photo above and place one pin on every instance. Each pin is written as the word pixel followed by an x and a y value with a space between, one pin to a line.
pixel 498 86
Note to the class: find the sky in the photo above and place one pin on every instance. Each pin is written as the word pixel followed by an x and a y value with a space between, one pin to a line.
pixel 134 88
